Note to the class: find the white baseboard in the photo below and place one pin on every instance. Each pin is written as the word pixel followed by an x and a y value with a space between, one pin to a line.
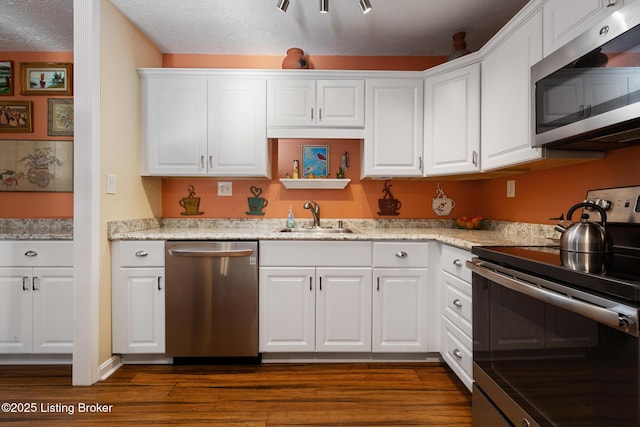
pixel 109 367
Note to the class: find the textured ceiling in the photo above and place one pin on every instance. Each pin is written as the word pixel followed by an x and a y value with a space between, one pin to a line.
pixel 36 25
pixel 393 27
pixel 254 27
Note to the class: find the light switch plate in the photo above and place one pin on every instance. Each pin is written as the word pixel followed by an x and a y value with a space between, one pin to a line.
pixel 111 183
pixel 511 188
pixel 225 189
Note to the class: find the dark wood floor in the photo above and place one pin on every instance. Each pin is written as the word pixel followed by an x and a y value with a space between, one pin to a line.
pixel 360 394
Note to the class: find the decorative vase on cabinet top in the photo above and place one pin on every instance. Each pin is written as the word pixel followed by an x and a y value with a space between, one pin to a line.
pixel 295 59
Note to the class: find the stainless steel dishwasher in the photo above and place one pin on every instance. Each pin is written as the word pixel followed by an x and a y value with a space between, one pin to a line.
pixel 211 299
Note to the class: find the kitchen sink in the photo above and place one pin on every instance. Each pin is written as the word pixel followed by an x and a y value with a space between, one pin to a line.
pixel 318 230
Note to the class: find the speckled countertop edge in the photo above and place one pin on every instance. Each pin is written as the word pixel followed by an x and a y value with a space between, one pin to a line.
pixel 498 233
pixel 36 229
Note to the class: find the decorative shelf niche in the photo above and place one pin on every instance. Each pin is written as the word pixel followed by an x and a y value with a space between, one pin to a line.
pixel 316 183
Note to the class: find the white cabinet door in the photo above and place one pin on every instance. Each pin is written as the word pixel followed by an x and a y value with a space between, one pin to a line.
pixel 237 128
pixel 506 91
pixel 566 19
pixel 174 114
pixel 15 310
pixel 340 103
pixel 400 310
pixel 393 140
pixel 287 309
pixel 315 103
pixel 138 311
pixel 343 309
pixel 52 292
pixel 452 122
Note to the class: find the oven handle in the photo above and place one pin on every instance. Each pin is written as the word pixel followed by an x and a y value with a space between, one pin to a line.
pixel 533 287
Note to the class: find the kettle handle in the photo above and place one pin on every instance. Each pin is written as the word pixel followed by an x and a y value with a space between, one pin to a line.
pixel 601 211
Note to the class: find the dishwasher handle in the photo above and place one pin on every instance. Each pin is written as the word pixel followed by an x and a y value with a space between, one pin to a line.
pixel 211 253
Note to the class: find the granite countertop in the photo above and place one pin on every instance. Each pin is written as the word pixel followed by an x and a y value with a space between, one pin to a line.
pixel 36 229
pixel 497 233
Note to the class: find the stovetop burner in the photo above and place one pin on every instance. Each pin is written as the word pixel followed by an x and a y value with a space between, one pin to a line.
pixel 619 275
pixel 616 274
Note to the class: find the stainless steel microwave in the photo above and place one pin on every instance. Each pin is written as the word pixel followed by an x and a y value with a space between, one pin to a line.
pixel 586 95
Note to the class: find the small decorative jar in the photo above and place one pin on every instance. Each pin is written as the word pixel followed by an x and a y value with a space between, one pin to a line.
pixel 295 59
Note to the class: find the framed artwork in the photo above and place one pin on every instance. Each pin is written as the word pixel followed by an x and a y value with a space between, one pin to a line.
pixel 16 116
pixel 6 78
pixel 45 166
pixel 315 161
pixel 60 117
pixel 46 78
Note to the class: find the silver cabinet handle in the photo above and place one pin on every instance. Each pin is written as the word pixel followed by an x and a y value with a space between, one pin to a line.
pixel 457 263
pixel 210 162
pixel 25 283
pixel 420 160
pixel 310 283
pixel 474 158
pixel 319 114
pixel 159 283
pixel 311 113
pixel 457 353
pixel 401 254
pixel 142 253
pixel 378 286
pixel 201 162
pixel 457 303
pixel 35 283
pixel 31 253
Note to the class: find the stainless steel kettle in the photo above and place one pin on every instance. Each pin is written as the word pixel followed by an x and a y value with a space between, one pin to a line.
pixel 585 236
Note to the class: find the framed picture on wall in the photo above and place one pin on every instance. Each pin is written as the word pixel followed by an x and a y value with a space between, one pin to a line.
pixel 16 116
pixel 60 117
pixel 315 161
pixel 46 78
pixel 6 78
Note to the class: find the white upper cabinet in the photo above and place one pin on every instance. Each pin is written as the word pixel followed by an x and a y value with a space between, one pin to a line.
pixel 394 128
pixel 316 103
pixel 174 126
pixel 452 121
pixel 237 133
pixel 506 93
pixel 200 125
pixel 566 19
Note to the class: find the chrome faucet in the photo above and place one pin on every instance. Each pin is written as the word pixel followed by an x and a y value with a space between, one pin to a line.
pixel 315 211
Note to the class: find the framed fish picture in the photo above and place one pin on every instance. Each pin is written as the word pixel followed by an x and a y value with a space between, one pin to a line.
pixel 315 161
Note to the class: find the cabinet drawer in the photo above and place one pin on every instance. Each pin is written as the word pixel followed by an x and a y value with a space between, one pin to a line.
pixel 36 254
pixel 138 253
pixel 457 349
pixel 453 261
pixel 457 298
pixel 308 253
pixel 401 254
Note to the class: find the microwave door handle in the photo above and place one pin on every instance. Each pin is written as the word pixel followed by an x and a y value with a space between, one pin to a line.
pixel 624 323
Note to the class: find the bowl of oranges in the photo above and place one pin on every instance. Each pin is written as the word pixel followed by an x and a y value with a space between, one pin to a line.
pixel 469 223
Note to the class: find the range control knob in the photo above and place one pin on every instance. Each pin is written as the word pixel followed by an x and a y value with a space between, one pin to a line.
pixel 604 204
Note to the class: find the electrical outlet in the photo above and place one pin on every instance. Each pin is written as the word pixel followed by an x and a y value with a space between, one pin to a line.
pixel 225 189
pixel 111 184
pixel 511 188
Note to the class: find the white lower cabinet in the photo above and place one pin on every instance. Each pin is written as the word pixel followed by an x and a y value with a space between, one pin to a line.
pixel 315 296
pixel 400 300
pixel 456 335
pixel 137 288
pixel 306 309
pixel 36 297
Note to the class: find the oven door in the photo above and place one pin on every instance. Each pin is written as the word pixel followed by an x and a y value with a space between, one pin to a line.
pixel 548 355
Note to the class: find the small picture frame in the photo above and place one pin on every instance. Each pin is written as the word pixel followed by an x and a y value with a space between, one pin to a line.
pixel 6 78
pixel 60 117
pixel 46 78
pixel 16 116
pixel 315 161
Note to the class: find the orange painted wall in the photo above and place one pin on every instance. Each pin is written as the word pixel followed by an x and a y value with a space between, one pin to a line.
pixel 358 200
pixel 34 204
pixel 548 193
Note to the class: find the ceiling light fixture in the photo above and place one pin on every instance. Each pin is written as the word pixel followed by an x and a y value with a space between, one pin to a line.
pixel 283 5
pixel 324 6
pixel 365 6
